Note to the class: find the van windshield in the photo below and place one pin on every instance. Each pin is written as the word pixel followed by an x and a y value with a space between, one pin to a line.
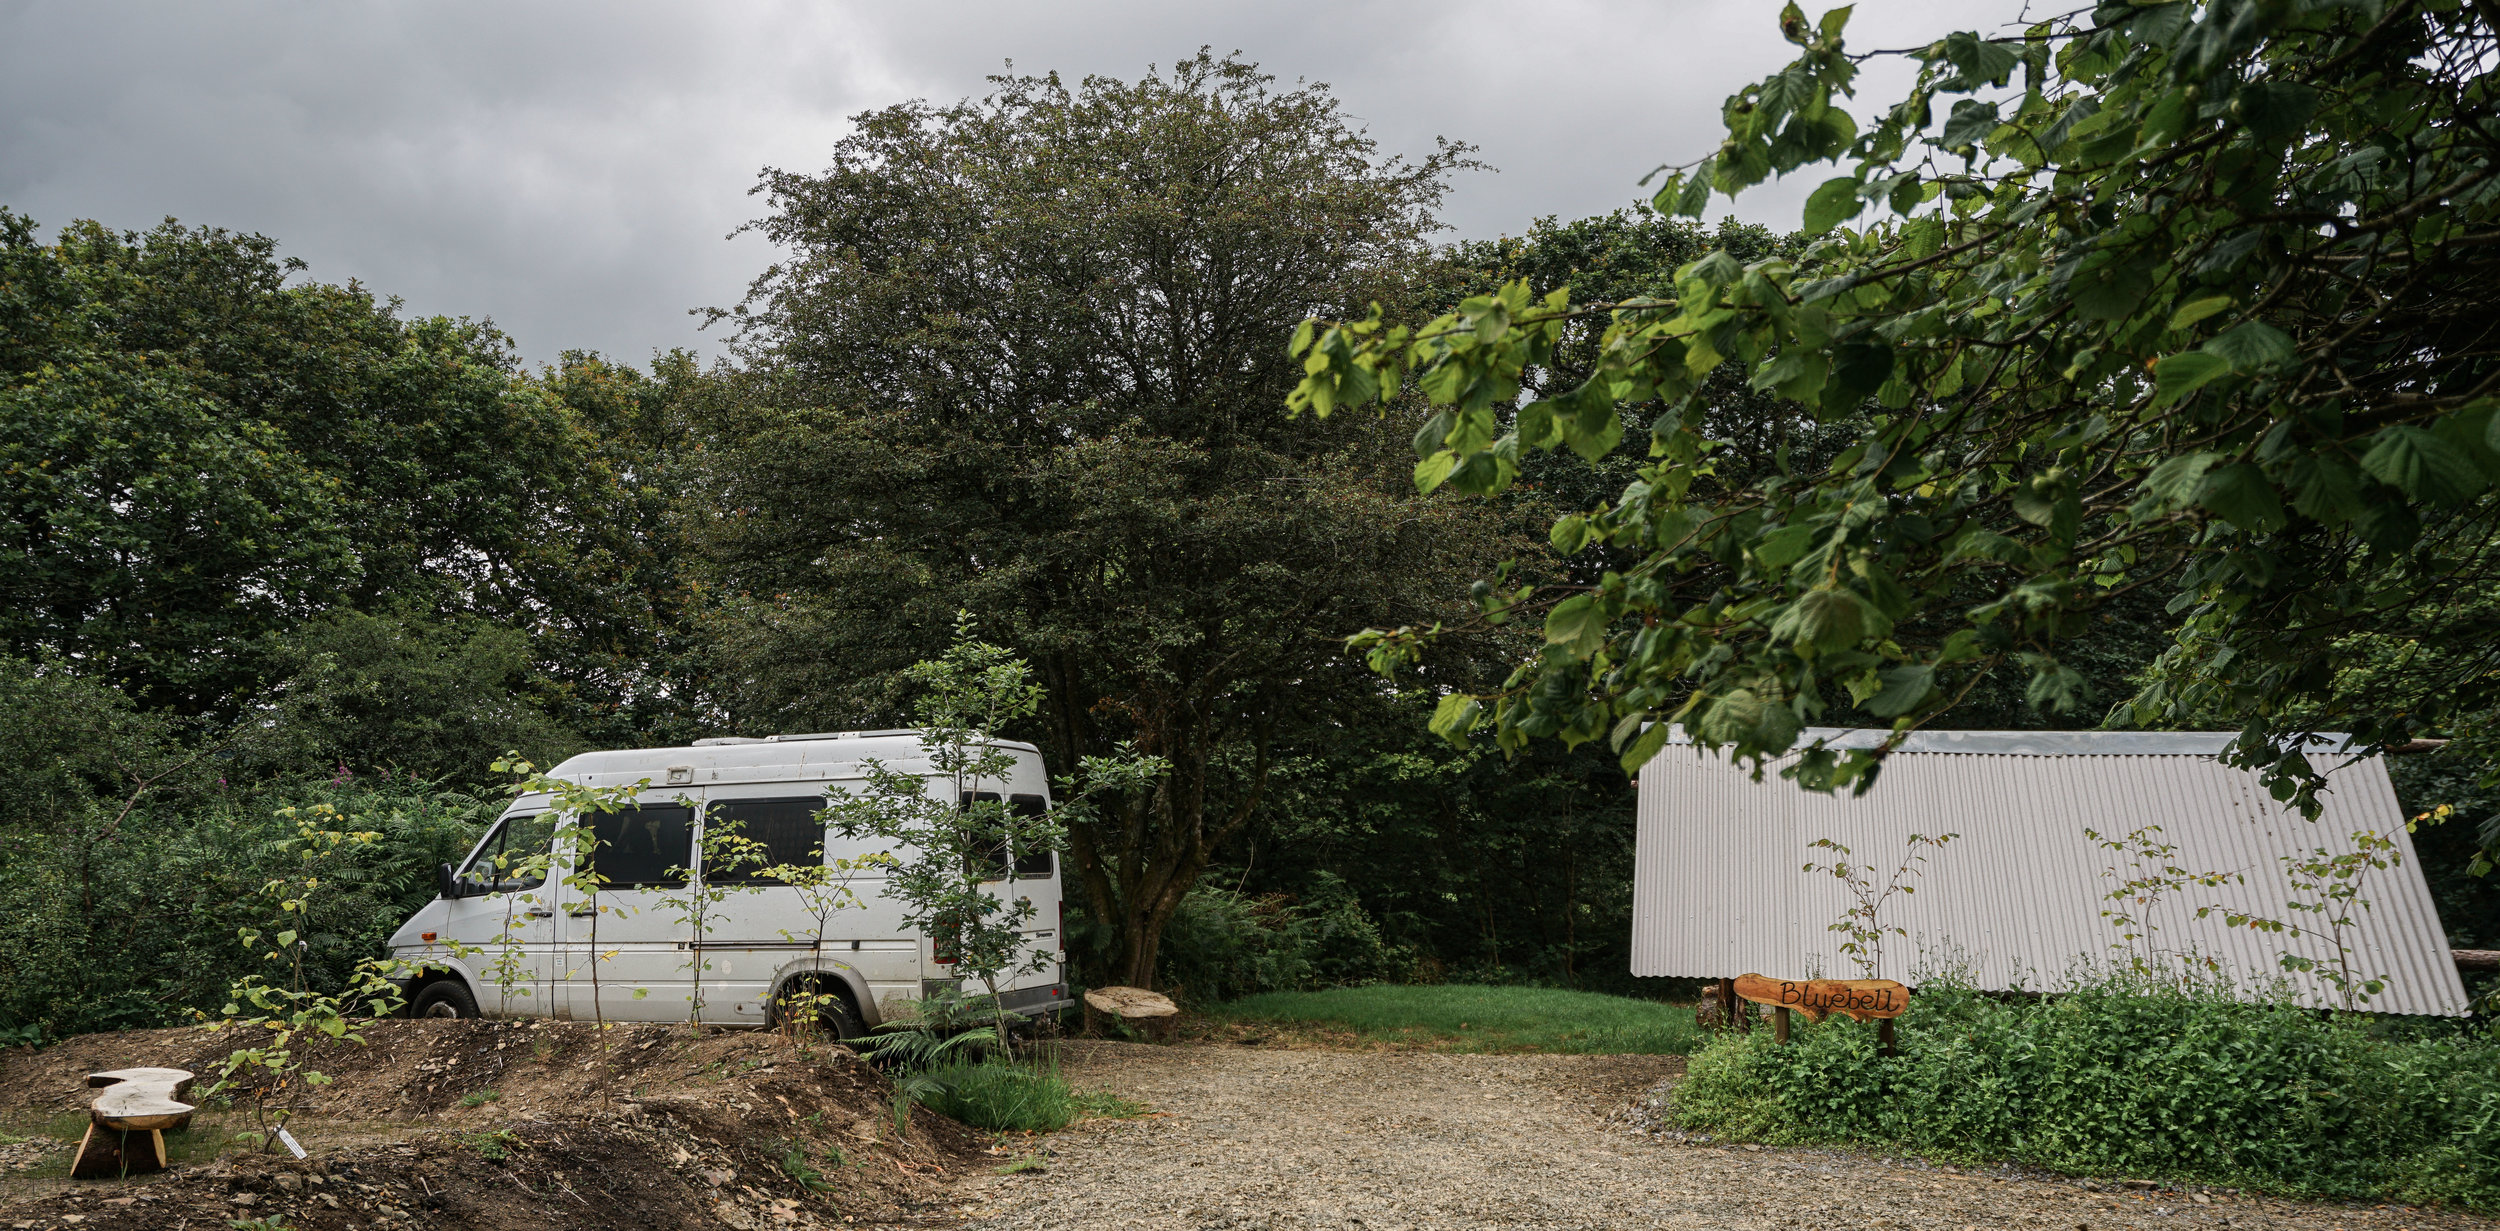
pixel 513 858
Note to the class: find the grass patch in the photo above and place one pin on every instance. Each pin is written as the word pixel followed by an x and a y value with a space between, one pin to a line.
pixel 1471 1018
pixel 1015 1098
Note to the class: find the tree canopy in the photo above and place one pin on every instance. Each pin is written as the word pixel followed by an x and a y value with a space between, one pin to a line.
pixel 1022 361
pixel 2191 299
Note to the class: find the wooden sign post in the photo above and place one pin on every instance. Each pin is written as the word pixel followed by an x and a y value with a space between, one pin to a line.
pixel 1876 1000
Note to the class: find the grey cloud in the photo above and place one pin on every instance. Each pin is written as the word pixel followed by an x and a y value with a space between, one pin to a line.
pixel 572 170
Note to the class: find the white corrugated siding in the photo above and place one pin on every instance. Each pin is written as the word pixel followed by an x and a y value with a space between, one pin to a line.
pixel 2016 900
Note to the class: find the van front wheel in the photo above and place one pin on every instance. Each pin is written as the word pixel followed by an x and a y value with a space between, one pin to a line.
pixel 446 998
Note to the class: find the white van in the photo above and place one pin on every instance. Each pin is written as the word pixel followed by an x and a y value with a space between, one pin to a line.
pixel 513 948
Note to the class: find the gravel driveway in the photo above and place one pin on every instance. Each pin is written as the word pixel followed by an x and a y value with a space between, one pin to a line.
pixel 1264 1138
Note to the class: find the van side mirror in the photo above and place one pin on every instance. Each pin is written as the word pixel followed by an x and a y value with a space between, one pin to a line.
pixel 447 882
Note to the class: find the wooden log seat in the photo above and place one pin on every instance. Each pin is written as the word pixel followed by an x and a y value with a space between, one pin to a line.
pixel 127 1122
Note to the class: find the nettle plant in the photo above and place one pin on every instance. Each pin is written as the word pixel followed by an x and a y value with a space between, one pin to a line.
pixel 950 843
pixel 2185 296
pixel 281 1014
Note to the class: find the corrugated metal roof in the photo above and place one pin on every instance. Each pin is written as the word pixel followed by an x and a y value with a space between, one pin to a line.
pixel 2016 900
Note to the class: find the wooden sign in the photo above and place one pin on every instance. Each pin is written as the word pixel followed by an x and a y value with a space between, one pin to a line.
pixel 1863 999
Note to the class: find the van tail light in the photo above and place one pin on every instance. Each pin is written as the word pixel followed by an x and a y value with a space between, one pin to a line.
pixel 428 937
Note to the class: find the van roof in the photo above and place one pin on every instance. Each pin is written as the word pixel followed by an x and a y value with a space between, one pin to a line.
pixel 751 758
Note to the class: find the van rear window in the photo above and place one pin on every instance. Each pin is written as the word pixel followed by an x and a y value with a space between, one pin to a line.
pixel 1027 864
pixel 643 848
pixel 789 830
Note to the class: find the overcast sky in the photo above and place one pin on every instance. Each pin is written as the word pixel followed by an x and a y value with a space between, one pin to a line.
pixel 572 170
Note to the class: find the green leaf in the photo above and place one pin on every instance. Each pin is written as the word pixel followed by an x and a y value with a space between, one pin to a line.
pixel 1829 618
pixel 1432 471
pixel 1780 548
pixel 2241 494
pixel 2196 310
pixel 2325 488
pixel 1577 624
pixel 1646 746
pixel 2111 290
pixel 1971 121
pixel 1570 533
pixel 2422 466
pixel 2180 375
pixel 1455 716
pixel 2253 346
pixel 2173 483
pixel 1835 20
pixel 1696 195
pixel 2275 112
pixel 1905 688
pixel 1835 202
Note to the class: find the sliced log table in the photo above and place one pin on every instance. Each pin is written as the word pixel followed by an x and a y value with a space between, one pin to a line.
pixel 1153 1010
pixel 127 1122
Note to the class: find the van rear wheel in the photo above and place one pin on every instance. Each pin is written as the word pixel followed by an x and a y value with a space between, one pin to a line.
pixel 446 998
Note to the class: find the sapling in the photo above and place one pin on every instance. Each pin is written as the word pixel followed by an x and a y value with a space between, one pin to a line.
pixel 949 838
pixel 1863 921
pixel 2136 892
pixel 724 850
pixel 823 889
pixel 283 1014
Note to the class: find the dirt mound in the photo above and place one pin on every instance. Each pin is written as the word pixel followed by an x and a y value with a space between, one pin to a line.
pixel 527 1124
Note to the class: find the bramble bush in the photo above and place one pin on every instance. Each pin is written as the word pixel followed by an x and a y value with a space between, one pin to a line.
pixel 2128 1078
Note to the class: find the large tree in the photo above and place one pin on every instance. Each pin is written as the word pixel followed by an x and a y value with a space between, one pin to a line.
pixel 1022 361
pixel 2194 300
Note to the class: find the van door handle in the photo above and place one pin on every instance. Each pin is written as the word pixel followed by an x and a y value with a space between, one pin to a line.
pixel 539 912
pixel 581 914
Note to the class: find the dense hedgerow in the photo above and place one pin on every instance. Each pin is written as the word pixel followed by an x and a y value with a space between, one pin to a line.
pixel 2125 1080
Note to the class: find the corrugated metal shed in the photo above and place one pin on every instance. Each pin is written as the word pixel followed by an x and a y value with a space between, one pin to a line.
pixel 2016 900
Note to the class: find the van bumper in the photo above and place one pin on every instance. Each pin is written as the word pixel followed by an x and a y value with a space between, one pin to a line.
pixel 1049 1001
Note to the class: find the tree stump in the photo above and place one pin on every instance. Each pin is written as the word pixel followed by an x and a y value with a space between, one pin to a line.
pixel 127 1122
pixel 1152 1011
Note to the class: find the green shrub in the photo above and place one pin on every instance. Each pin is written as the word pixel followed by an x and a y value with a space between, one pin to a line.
pixel 109 925
pixel 1222 945
pixel 2121 1079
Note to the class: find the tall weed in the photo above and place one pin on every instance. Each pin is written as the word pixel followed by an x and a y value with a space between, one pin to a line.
pixel 2135 1079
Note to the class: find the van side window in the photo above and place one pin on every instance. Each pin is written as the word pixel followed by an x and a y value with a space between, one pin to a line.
pixel 789 830
pixel 513 859
pixel 1027 865
pixel 637 848
pixel 1030 865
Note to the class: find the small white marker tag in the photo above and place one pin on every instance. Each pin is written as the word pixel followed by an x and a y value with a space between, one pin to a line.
pixel 287 1139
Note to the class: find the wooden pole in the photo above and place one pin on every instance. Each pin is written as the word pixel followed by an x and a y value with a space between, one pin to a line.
pixel 1779 1024
pixel 1883 1036
pixel 1727 1003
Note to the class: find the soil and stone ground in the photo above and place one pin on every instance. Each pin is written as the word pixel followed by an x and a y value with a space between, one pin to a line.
pixel 504 1126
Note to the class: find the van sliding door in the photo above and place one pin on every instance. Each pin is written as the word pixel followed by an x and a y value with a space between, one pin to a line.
pixel 626 956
